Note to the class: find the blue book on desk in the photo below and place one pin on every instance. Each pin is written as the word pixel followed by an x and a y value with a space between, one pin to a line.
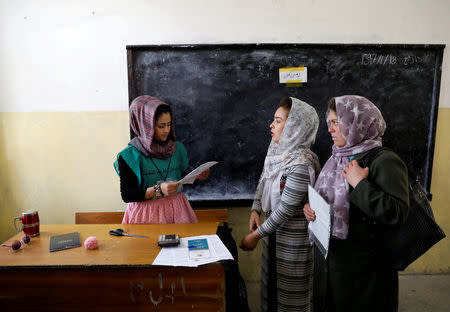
pixel 198 249
pixel 196 244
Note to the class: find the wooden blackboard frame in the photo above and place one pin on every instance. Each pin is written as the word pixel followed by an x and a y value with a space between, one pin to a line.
pixel 435 49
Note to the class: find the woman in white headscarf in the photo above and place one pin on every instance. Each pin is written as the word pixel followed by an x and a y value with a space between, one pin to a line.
pixel 282 192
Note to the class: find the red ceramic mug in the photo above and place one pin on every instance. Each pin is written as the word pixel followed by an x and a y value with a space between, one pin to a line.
pixel 30 223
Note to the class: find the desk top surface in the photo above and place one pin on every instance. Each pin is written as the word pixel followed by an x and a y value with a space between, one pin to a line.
pixel 112 250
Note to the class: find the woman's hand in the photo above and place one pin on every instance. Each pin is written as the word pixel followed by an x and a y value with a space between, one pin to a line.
pixel 250 241
pixel 204 175
pixel 254 221
pixel 353 173
pixel 169 188
pixel 309 213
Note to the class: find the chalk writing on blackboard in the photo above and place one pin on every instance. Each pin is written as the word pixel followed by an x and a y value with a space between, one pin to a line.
pixel 376 59
pixel 379 59
pixel 412 60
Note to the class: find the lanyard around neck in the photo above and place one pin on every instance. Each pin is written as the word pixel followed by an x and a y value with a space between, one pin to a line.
pixel 159 172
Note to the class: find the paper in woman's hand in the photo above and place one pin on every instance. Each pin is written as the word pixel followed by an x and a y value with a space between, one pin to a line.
pixel 321 227
pixel 191 176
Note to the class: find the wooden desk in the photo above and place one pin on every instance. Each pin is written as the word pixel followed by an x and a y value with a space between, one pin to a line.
pixel 118 276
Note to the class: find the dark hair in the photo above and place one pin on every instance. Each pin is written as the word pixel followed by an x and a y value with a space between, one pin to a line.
pixel 286 103
pixel 162 109
pixel 332 105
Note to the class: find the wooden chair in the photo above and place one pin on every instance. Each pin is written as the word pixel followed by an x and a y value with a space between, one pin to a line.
pixel 209 215
pixel 107 217
pixel 115 217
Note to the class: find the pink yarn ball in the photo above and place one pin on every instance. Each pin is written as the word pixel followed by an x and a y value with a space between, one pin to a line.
pixel 91 242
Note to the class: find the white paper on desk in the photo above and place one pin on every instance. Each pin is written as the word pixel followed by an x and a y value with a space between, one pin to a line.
pixel 321 227
pixel 191 176
pixel 179 255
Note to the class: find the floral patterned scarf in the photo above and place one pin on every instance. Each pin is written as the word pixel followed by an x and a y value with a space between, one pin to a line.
pixel 293 148
pixel 362 126
pixel 142 120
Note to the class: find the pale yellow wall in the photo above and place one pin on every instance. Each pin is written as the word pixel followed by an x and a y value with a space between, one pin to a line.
pixel 59 163
pixel 437 259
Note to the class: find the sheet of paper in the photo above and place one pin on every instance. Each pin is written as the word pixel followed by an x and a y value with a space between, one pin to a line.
pixel 191 176
pixel 179 255
pixel 321 227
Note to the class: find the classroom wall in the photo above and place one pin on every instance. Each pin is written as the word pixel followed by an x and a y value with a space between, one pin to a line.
pixel 64 98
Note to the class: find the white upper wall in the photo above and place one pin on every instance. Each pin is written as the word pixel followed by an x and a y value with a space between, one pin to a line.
pixel 71 55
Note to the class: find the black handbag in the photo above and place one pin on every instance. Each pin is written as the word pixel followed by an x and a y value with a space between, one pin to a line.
pixel 403 244
pixel 235 289
pixel 419 232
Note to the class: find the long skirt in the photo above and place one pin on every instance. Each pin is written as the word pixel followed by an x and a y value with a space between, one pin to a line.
pixel 171 209
pixel 286 273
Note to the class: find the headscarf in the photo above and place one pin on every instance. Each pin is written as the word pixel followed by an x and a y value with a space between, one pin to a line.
pixel 142 121
pixel 361 125
pixel 293 148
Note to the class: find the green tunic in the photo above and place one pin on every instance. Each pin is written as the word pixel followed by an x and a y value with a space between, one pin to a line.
pixel 354 277
pixel 144 167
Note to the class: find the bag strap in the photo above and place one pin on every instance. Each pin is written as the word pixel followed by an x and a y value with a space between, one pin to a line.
pixel 371 155
pixel 416 190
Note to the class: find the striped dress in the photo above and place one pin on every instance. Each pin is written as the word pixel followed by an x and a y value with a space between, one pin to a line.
pixel 286 274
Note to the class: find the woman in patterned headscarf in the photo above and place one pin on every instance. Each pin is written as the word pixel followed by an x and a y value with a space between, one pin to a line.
pixel 149 163
pixel 282 191
pixel 355 277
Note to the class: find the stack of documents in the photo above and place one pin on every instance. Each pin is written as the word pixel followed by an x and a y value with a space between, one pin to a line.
pixel 179 255
pixel 320 228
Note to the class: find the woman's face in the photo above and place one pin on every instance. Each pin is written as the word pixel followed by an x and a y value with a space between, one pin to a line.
pixel 334 129
pixel 277 126
pixel 162 127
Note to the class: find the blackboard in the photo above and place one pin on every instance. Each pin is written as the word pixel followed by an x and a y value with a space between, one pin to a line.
pixel 224 97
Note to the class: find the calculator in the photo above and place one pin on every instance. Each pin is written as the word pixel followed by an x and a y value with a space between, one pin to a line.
pixel 168 240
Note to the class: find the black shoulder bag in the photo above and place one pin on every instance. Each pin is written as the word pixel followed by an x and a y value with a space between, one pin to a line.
pixel 235 289
pixel 404 243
